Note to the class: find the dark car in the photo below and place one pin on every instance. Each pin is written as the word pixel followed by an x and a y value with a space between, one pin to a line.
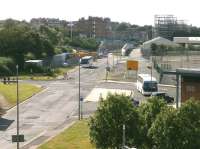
pixel 135 102
pixel 163 95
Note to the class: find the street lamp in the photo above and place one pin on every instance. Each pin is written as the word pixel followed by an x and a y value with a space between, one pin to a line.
pixel 17 138
pixel 71 29
pixel 150 67
pixel 79 87
pixel 17 67
pixel 124 138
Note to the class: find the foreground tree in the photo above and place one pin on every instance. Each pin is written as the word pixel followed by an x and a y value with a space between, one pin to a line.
pixel 148 113
pixel 107 123
pixel 178 129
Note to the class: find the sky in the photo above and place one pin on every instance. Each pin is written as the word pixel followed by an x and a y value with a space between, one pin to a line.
pixel 140 12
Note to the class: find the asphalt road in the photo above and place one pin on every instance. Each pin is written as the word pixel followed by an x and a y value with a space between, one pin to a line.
pixel 48 112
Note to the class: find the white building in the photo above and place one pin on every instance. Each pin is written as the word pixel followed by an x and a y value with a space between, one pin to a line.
pixel 185 41
pixel 126 47
pixel 159 41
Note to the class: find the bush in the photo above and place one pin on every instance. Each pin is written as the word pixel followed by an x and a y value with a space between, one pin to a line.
pixel 148 113
pixel 107 123
pixel 6 66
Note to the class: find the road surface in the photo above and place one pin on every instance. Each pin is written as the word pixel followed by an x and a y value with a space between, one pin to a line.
pixel 50 111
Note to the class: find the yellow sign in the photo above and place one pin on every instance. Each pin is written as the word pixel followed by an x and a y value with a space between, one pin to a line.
pixel 132 65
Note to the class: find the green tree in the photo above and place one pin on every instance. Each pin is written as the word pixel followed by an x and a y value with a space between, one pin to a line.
pixel 17 41
pixel 107 122
pixel 123 26
pixel 154 48
pixel 148 112
pixel 178 129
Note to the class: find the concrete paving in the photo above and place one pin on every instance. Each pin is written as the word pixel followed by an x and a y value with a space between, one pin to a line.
pixel 101 93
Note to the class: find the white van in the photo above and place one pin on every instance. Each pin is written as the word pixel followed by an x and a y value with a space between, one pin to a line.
pixel 87 61
pixel 146 84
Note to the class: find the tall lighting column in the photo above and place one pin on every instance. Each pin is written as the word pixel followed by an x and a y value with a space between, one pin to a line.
pixel 79 87
pixel 17 67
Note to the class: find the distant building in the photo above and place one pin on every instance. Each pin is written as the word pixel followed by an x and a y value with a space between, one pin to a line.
pixel 166 25
pixel 126 47
pixel 52 22
pixel 96 27
pixel 35 62
pixel 159 41
pixel 186 41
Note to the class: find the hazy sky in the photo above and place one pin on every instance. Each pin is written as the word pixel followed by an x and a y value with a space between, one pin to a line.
pixel 134 11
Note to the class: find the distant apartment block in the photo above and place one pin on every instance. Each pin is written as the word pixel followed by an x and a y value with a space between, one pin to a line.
pixel 96 27
pixel 52 22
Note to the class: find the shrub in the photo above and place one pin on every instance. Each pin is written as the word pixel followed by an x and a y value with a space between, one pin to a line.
pixel 107 123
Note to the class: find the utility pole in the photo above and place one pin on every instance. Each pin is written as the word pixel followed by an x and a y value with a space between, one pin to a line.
pixel 94 29
pixel 17 67
pixel 151 75
pixel 177 91
pixel 124 137
pixel 71 30
pixel 79 87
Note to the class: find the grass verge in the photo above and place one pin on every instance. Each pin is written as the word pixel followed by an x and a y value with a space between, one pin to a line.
pixel 25 91
pixel 75 137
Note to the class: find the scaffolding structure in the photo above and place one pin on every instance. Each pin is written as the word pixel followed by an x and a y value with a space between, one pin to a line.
pixel 165 25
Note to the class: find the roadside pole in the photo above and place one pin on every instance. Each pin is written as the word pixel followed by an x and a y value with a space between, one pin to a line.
pixel 124 138
pixel 17 67
pixel 177 90
pixel 79 87
pixel 107 69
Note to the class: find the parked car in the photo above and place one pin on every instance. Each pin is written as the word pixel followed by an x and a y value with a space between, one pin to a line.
pixel 163 95
pixel 135 102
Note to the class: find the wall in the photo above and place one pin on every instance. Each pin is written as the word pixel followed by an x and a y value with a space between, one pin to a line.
pixel 190 87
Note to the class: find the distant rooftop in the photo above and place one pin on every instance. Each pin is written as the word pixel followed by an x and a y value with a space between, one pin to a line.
pixel 187 40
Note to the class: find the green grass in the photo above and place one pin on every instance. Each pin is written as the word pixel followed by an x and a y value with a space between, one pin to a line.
pixel 36 77
pixel 75 137
pixel 25 91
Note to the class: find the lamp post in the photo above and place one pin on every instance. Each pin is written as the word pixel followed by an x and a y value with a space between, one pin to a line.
pixel 150 67
pixel 124 138
pixel 71 29
pixel 79 87
pixel 17 67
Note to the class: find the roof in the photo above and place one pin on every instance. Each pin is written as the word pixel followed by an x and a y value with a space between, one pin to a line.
pixel 147 77
pixel 33 61
pixel 187 40
pixel 86 57
pixel 188 71
pixel 159 41
pixel 184 72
